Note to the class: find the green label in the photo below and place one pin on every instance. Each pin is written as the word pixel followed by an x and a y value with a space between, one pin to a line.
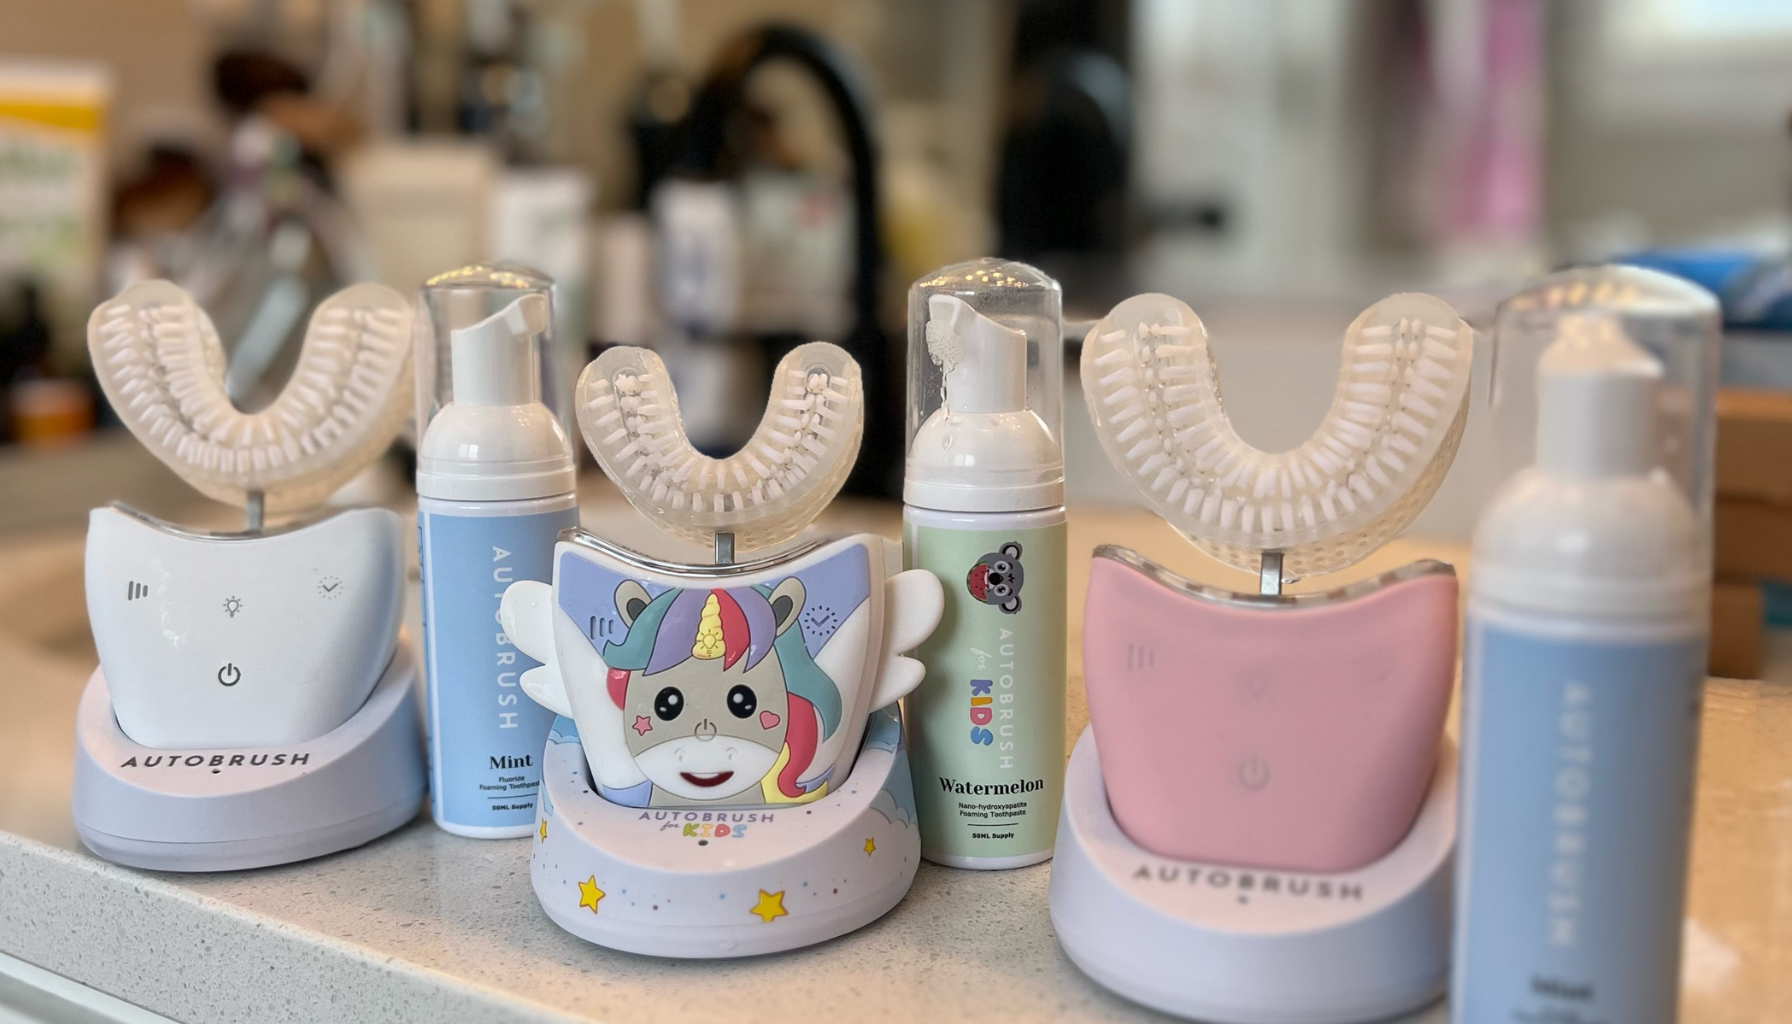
pixel 988 718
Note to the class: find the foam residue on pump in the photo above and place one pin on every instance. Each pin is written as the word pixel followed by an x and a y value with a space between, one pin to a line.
pixel 946 349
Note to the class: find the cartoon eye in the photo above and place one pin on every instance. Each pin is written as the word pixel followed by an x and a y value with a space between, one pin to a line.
pixel 668 703
pixel 1002 566
pixel 999 590
pixel 742 702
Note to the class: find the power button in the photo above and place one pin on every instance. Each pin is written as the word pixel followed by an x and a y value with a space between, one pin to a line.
pixel 230 675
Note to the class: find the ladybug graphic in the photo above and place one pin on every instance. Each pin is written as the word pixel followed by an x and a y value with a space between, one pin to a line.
pixel 997 577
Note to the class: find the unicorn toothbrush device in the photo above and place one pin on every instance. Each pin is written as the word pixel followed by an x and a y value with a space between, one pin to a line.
pixel 1258 824
pixel 253 703
pixel 727 775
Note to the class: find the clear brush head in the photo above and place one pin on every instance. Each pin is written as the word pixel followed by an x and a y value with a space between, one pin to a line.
pixel 1382 450
pixel 162 366
pixel 762 495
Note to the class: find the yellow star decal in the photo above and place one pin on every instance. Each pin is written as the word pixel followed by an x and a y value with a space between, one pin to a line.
pixel 771 905
pixel 544 832
pixel 870 846
pixel 589 893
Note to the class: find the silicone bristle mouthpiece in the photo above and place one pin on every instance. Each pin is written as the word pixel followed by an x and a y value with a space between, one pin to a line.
pixel 161 364
pixel 1380 453
pixel 764 494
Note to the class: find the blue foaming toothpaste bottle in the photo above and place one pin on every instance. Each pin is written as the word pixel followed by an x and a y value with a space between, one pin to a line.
pixel 495 486
pixel 1582 671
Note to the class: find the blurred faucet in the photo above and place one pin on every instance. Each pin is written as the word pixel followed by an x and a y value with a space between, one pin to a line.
pixel 703 154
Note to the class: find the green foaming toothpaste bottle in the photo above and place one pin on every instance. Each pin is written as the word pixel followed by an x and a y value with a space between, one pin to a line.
pixel 984 511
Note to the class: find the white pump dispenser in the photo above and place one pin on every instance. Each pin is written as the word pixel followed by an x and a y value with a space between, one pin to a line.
pixel 496 441
pixel 982 450
pixel 1595 528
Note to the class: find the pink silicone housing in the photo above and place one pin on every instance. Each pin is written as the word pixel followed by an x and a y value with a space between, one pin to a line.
pixel 1298 735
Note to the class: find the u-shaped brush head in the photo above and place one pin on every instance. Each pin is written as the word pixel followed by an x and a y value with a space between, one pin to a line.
pixel 161 365
pixel 1383 448
pixel 764 494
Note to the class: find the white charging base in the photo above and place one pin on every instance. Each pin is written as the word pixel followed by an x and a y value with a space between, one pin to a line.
pixel 1248 946
pixel 693 882
pixel 227 809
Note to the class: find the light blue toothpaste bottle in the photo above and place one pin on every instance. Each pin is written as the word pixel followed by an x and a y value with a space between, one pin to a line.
pixel 495 486
pixel 1583 664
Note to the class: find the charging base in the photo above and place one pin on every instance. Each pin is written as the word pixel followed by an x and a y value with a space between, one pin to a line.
pixel 224 810
pixel 696 882
pixel 1249 946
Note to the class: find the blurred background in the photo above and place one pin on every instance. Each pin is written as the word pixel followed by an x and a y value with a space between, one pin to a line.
pixel 722 179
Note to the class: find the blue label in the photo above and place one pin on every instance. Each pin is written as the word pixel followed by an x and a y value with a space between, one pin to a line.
pixel 485 735
pixel 1579 760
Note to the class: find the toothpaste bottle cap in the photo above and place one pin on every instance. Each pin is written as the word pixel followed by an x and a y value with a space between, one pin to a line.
pixel 496 441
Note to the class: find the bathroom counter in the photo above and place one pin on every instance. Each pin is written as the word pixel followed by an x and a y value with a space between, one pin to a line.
pixel 425 926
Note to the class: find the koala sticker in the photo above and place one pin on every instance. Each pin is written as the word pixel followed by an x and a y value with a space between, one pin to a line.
pixel 997 577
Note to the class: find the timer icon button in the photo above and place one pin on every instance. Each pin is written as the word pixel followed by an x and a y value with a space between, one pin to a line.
pixel 1253 773
pixel 230 675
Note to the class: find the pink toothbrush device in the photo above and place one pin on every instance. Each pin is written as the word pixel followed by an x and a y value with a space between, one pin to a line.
pixel 1271 741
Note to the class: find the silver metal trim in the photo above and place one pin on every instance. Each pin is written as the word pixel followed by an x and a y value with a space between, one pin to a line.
pixel 579 536
pixel 176 530
pixel 254 511
pixel 1269 574
pixel 1232 598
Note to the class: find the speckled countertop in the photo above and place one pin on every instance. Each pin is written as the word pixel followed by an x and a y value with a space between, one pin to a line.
pixel 423 926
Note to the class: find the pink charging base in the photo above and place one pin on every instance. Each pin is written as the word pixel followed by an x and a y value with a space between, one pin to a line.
pixel 1298 735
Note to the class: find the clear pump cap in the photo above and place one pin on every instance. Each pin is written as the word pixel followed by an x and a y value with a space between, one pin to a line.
pixel 985 387
pixel 492 396
pixel 1671 319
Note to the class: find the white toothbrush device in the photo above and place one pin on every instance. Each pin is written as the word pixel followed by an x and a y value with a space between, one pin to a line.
pixel 700 704
pixel 225 650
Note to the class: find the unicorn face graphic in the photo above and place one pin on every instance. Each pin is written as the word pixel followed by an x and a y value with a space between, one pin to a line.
pixel 707 712
pixel 743 685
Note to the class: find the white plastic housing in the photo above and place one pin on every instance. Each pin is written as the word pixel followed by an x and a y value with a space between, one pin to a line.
pixel 1672 319
pixel 725 882
pixel 764 494
pixel 161 364
pixel 985 387
pixel 1374 461
pixel 231 808
pixel 242 640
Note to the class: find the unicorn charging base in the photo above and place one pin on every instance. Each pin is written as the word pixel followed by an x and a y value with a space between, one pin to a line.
pixel 735 782
pixel 254 702
pixel 1284 858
